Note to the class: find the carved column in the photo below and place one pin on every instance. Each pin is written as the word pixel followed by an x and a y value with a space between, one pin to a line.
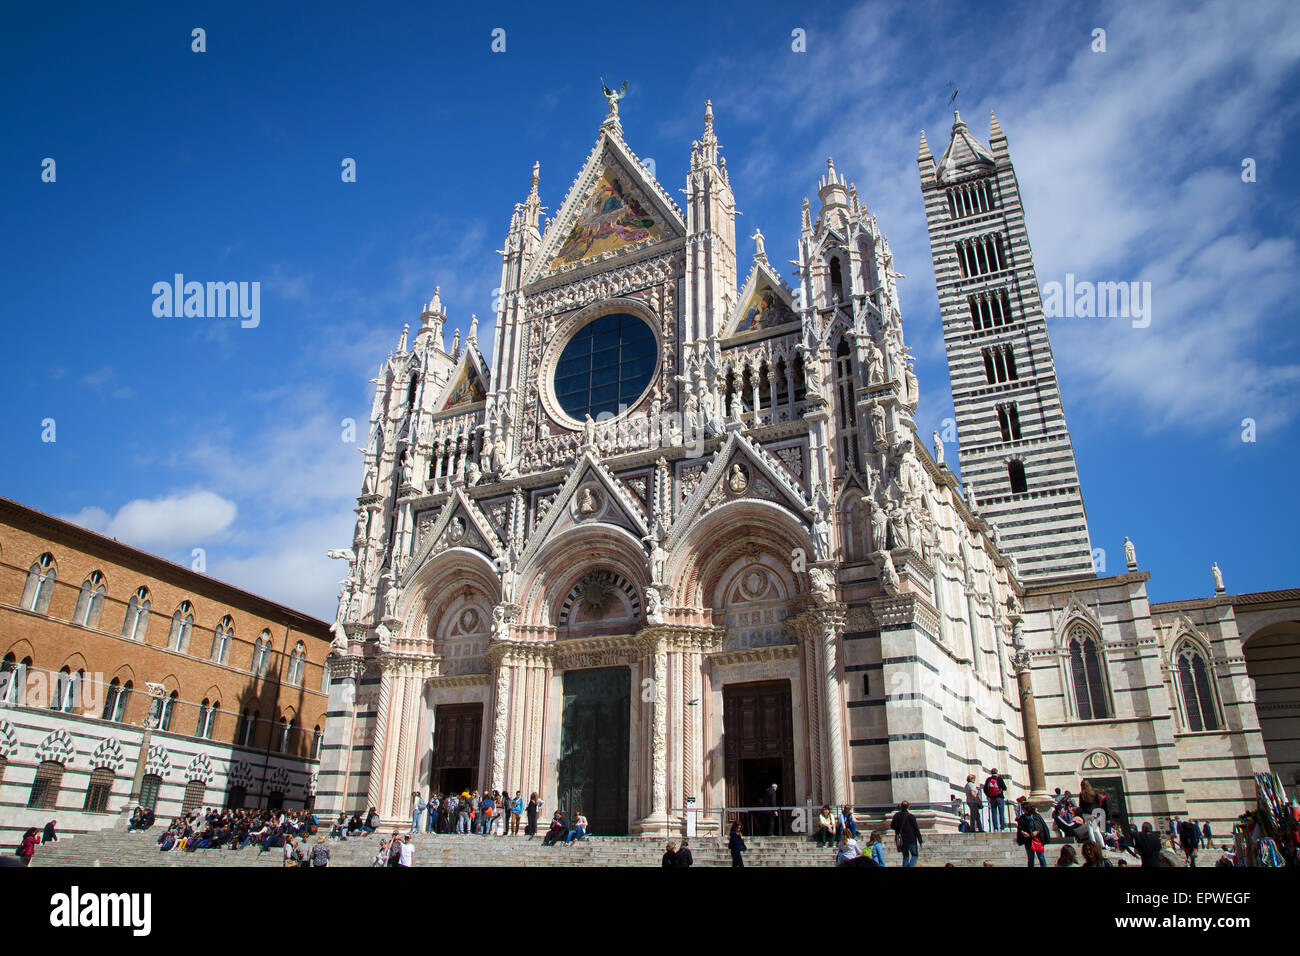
pixel 374 789
pixel 500 720
pixel 831 624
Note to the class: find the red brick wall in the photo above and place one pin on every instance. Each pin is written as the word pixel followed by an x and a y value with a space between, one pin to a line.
pixel 53 641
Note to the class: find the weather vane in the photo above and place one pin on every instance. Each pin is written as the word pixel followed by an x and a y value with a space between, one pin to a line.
pixel 953 98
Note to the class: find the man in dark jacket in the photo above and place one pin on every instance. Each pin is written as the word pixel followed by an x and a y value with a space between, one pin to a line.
pixel 684 857
pixel 1148 846
pixel 907 834
pixel 1189 838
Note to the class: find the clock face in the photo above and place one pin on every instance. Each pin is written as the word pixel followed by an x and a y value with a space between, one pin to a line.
pixel 606 367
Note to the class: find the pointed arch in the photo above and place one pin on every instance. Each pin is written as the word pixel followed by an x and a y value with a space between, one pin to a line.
pixel 1086 670
pixel 1194 676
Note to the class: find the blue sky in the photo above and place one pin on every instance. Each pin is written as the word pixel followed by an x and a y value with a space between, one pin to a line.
pixel 174 433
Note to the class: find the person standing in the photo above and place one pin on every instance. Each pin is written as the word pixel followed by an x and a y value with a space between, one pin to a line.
pixel 771 799
pixel 736 843
pixel 48 835
pixel 670 856
pixel 974 802
pixel 406 852
pixel 516 811
pixel 1148 846
pixel 684 857
pixel 417 809
pixel 1206 834
pixel 27 848
pixel 1031 833
pixel 533 806
pixel 995 788
pixel 907 834
pixel 320 852
pixel 1189 838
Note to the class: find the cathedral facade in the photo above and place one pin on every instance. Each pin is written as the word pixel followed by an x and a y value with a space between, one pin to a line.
pixel 678 540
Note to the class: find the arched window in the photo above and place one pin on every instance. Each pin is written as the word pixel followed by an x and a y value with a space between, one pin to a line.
pixel 45 787
pixel 168 708
pixel 282 735
pixel 297 662
pixel 182 625
pixel 123 699
pixel 317 739
pixel 149 787
pixel 1086 673
pixel 90 602
pixel 837 279
pixel 67 691
pixel 194 792
pixel 847 406
pixel 199 730
pixel 1016 475
pixel 136 622
pixel 13 680
pixel 248 727
pixel 221 640
pixel 235 797
pixel 1195 688
pixel 111 693
pixel 40 584
pixel 100 789
pixel 410 392
pixel 261 654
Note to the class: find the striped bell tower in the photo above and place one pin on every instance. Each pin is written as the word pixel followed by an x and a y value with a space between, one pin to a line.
pixel 1017 461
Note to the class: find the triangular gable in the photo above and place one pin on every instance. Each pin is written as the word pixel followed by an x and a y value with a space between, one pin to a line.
pixel 473 531
pixel 619 504
pixel 466 385
pixel 763 303
pixel 614 205
pixel 1076 610
pixel 763 478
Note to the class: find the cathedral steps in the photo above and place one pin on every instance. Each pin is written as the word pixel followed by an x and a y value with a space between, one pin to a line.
pixel 118 848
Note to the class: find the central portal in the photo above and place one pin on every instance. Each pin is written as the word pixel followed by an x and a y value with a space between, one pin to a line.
pixel 594 747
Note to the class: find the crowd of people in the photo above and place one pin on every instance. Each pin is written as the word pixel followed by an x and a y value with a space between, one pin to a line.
pixel 490 813
pixel 214 829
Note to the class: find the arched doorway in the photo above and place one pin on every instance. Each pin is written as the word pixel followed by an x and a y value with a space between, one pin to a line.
pixel 1273 665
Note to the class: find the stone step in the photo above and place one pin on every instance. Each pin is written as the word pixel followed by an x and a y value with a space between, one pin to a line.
pixel 119 848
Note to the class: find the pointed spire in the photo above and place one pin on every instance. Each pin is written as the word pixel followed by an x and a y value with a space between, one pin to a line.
pixel 831 191
pixel 706 154
pixel 806 219
pixel 455 345
pixel 401 346
pixel 435 304
pixel 995 128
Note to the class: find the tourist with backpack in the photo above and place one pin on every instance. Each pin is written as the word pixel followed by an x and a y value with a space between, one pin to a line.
pixel 995 788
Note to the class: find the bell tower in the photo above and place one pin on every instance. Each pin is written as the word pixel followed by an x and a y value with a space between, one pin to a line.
pixel 1015 450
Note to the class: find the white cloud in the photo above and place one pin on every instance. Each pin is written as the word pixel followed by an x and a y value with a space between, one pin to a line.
pixel 1129 164
pixel 188 519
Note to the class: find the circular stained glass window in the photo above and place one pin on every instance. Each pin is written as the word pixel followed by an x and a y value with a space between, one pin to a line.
pixel 606 367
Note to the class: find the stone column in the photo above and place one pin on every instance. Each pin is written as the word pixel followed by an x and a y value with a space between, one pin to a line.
pixel 379 739
pixel 1038 795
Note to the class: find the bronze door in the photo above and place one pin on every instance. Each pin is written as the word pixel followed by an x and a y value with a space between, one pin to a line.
pixel 758 743
pixel 457 732
pixel 594 730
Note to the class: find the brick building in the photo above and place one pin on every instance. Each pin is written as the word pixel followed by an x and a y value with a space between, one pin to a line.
pixel 98 639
